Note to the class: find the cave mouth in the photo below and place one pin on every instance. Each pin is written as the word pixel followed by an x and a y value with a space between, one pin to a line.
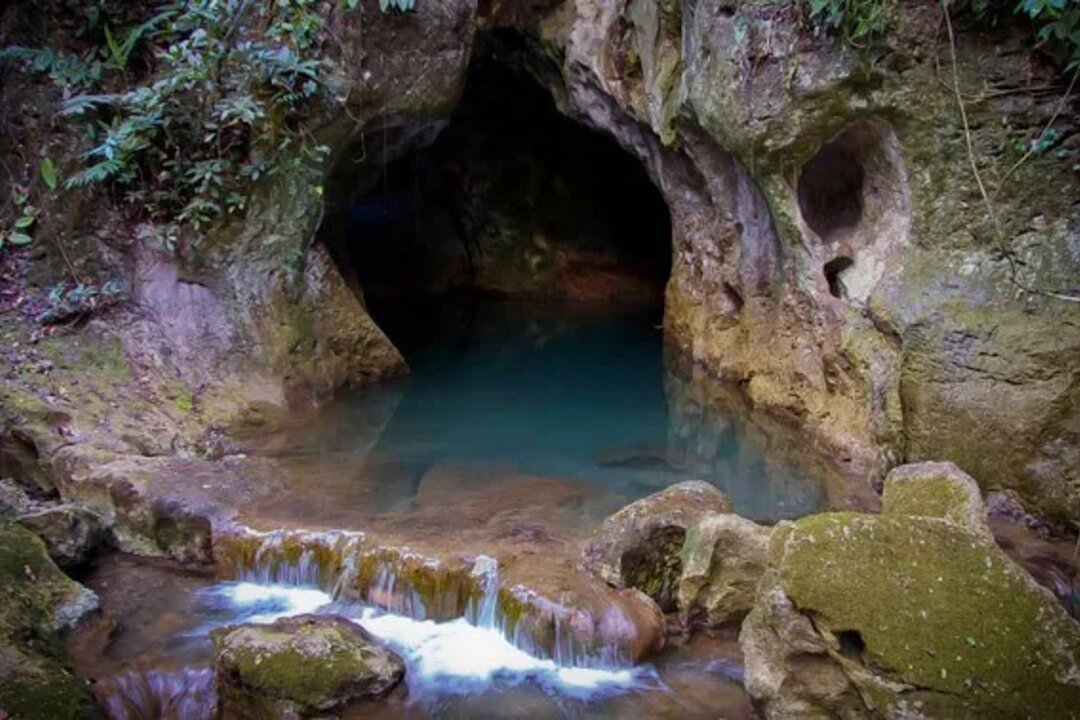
pixel 512 201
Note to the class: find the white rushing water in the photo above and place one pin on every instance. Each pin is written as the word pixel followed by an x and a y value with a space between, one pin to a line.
pixel 467 655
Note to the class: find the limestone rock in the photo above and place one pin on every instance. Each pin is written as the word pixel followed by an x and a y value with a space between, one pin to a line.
pixel 70 533
pixel 300 666
pixel 901 615
pixel 723 559
pixel 13 499
pixel 38 600
pixel 936 489
pixel 639 546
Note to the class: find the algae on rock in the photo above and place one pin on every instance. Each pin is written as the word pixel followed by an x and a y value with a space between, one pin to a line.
pixel 305 665
pixel 39 600
pixel 912 611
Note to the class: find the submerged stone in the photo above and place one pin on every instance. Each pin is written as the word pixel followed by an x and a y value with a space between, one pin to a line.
pixel 299 667
pixel 640 545
pixel 893 615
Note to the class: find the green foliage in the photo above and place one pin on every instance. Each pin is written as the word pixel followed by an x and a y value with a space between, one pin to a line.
pixel 856 20
pixel 48 173
pixel 221 108
pixel 1057 22
pixel 397 5
pixel 69 300
pixel 17 232
pixel 66 69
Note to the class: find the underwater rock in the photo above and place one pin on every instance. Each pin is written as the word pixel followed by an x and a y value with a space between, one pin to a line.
pixel 39 600
pixel 299 667
pixel 638 547
pixel 70 533
pixel 723 559
pixel 902 614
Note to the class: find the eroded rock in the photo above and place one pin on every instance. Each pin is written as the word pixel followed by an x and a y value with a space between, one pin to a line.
pixel 638 547
pixel 906 614
pixel 70 533
pixel 299 667
pixel 723 559
pixel 936 489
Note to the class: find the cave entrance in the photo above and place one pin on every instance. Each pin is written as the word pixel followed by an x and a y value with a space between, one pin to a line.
pixel 513 201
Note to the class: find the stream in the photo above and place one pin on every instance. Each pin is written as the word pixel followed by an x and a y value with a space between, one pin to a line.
pixel 520 428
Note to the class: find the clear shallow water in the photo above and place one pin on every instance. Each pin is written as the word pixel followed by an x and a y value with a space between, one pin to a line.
pixel 574 392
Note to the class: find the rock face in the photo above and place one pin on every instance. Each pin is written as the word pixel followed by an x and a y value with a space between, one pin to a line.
pixel 831 251
pixel 38 600
pixel 638 547
pixel 299 667
pixel 70 533
pixel 915 612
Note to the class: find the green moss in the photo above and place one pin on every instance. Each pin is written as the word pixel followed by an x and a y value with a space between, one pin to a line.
pixel 34 681
pixel 937 607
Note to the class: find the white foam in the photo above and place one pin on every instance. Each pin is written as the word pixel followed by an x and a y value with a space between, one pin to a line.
pixel 457 658
pixel 263 604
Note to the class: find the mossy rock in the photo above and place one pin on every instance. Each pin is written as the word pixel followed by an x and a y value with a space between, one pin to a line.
pixel 35 681
pixel 936 489
pixel 302 666
pixel 910 610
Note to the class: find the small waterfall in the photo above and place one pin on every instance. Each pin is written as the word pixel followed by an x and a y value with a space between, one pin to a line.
pixel 297 558
pixel 398 581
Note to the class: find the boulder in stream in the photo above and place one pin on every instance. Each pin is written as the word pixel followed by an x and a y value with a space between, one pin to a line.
pixel 723 559
pixel 299 667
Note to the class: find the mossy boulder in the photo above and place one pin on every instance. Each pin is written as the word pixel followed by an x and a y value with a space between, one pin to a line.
pixel 299 667
pixel 639 546
pixel 906 615
pixel 723 559
pixel 936 489
pixel 38 600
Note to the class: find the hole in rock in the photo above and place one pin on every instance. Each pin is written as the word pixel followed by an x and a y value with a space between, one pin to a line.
pixel 834 274
pixel 854 189
pixel 851 643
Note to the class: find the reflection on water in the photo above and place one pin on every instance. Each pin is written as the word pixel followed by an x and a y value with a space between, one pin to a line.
pixel 577 393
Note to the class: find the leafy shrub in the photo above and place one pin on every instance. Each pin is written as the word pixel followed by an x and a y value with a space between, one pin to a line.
pixel 1057 22
pixel 222 110
pixel 69 301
